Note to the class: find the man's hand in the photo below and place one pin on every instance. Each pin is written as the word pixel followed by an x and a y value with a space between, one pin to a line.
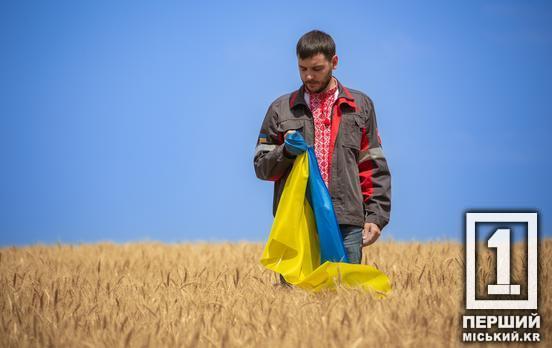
pixel 289 132
pixel 370 233
pixel 294 144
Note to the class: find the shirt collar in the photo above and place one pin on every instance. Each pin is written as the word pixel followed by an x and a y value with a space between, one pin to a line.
pixel 307 96
pixel 343 97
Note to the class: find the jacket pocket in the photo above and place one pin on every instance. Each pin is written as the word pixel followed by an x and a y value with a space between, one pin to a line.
pixel 351 130
pixel 287 125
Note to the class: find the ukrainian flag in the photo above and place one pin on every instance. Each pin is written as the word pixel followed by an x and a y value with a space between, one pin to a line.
pixel 305 245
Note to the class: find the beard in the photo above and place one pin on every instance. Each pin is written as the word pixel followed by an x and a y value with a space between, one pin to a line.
pixel 324 83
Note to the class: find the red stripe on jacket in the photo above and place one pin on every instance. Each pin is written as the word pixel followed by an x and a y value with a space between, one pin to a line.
pixel 336 120
pixel 366 170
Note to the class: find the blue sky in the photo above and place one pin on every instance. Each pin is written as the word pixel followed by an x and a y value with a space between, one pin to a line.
pixel 136 121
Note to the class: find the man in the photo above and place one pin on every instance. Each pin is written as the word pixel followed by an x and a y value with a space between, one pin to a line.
pixel 341 125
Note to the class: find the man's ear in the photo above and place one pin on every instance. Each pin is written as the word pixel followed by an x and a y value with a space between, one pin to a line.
pixel 335 60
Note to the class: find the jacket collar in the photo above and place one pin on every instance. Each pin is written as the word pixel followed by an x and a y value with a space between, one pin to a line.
pixel 343 97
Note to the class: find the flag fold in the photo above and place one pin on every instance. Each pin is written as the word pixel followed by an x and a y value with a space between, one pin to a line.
pixel 305 244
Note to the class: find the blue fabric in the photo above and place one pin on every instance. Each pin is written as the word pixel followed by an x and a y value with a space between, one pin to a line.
pixel 331 242
pixel 295 144
pixel 329 235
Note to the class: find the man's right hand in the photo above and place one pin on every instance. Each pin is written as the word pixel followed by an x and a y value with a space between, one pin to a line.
pixel 287 153
pixel 295 145
pixel 289 132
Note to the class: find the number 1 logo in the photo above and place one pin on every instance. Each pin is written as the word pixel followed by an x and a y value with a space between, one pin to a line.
pixel 500 240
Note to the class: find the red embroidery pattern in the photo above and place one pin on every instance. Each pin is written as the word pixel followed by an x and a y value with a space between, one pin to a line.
pixel 321 107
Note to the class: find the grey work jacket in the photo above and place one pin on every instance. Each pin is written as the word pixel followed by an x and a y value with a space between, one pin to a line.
pixel 360 181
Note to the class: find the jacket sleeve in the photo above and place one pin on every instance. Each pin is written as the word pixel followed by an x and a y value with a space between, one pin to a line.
pixel 270 161
pixel 375 178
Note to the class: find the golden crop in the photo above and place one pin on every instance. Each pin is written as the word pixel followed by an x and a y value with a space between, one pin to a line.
pixel 200 294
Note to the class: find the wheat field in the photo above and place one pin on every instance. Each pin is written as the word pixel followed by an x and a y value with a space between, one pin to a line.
pixel 201 294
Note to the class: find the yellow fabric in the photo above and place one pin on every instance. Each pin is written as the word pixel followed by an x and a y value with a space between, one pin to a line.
pixel 293 249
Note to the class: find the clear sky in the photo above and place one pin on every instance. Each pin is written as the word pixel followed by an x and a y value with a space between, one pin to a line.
pixel 127 121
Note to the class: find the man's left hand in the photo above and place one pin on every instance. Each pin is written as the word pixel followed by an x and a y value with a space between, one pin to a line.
pixel 370 233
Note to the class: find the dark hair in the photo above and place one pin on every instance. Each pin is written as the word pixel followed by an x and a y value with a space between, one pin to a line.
pixel 315 42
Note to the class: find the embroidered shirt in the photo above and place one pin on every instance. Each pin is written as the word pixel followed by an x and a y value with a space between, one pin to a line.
pixel 321 105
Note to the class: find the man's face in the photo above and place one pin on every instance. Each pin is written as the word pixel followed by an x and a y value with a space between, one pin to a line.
pixel 316 72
